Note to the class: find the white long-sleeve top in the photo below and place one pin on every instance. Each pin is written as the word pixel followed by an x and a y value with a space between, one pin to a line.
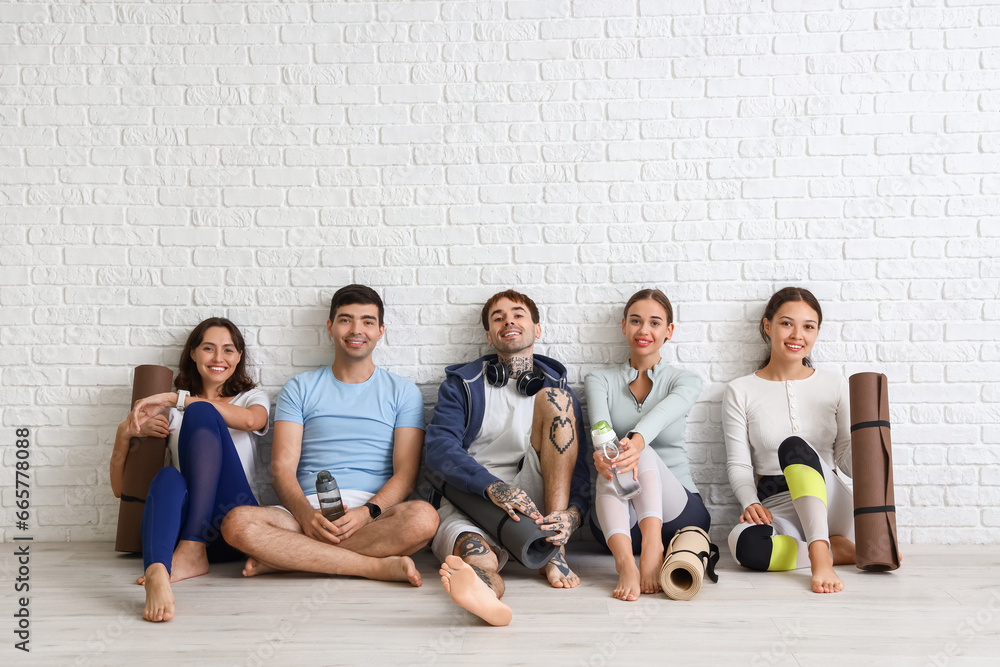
pixel 758 414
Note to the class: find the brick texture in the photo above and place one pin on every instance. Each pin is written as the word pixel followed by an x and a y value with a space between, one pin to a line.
pixel 161 162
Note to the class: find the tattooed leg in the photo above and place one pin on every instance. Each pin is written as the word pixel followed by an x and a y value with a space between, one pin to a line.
pixel 558 573
pixel 553 436
pixel 471 579
pixel 472 549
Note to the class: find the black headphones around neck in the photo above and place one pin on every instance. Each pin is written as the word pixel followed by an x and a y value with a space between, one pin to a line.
pixel 528 384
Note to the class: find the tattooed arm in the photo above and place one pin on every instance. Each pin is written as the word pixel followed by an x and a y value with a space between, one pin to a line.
pixel 511 499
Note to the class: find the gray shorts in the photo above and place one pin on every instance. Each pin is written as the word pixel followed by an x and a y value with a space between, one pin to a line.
pixel 454 522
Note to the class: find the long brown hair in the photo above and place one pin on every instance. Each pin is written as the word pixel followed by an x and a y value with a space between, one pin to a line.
pixel 188 377
pixel 780 298
pixel 657 296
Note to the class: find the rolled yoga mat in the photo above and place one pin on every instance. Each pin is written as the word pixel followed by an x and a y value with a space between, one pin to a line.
pixel 691 557
pixel 871 453
pixel 144 460
pixel 523 539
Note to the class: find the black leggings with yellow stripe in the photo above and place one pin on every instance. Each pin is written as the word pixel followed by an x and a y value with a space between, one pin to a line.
pixel 808 502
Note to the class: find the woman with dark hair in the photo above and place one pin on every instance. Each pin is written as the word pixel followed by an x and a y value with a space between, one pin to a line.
pixel 213 417
pixel 646 402
pixel 785 427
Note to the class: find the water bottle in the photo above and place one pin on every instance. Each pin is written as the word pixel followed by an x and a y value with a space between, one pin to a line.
pixel 328 494
pixel 605 439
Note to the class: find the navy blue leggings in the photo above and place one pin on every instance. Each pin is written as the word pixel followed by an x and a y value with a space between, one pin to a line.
pixel 190 504
pixel 694 514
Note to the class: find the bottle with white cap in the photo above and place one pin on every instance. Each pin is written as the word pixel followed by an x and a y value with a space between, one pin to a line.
pixel 606 441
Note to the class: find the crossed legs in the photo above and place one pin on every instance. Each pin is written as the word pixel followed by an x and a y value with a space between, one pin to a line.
pixel 274 541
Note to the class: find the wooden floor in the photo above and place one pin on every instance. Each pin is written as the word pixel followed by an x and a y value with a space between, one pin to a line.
pixel 941 608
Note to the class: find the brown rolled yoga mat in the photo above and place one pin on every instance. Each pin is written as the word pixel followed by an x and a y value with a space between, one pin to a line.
pixel 871 454
pixel 144 460
pixel 691 557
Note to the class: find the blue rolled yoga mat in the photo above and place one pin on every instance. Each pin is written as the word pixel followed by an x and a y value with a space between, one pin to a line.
pixel 523 539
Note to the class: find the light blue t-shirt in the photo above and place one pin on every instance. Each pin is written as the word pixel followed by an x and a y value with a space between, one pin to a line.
pixel 348 428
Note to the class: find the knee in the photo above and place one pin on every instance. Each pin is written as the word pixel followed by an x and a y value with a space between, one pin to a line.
pixel 751 546
pixel 201 410
pixel 168 481
pixel 237 523
pixel 795 450
pixel 421 518
pixel 555 401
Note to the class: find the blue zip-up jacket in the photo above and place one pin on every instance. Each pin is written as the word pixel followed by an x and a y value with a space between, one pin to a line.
pixel 458 417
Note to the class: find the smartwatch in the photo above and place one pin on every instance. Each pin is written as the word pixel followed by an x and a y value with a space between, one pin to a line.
pixel 181 395
pixel 374 510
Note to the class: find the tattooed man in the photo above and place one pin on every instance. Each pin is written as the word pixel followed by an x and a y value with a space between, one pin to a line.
pixel 525 452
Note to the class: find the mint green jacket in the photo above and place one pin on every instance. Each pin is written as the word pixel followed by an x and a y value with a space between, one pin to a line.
pixel 661 417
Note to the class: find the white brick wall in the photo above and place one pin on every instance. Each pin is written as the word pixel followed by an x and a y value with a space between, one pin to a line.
pixel 161 162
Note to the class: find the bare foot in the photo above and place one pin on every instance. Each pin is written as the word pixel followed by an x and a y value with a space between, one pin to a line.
pixel 159 597
pixel 843 550
pixel 628 582
pixel 190 560
pixel 558 573
pixel 396 568
pixel 253 567
pixel 650 562
pixel 471 593
pixel 824 579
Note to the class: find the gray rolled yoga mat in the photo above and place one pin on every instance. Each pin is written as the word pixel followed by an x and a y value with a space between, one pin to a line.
pixel 523 539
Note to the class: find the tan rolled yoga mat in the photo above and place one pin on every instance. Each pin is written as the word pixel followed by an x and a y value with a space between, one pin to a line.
pixel 871 452
pixel 144 460
pixel 690 558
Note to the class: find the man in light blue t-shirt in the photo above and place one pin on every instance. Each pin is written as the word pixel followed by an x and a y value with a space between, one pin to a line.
pixel 365 426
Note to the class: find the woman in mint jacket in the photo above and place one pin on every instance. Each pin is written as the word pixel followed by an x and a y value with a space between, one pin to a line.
pixel 646 401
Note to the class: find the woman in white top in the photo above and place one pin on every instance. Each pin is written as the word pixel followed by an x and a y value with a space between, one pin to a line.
pixel 213 417
pixel 786 427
